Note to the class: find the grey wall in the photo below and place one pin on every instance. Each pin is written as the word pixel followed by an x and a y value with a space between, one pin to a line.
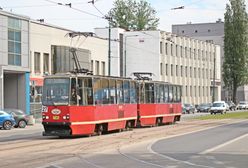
pixel 14 91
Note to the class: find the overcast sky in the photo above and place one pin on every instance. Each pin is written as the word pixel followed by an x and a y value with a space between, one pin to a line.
pixel 196 11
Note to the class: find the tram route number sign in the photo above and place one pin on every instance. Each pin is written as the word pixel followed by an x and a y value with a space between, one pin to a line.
pixel 44 109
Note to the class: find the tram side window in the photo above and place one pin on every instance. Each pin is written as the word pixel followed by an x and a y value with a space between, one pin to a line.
pixel 170 94
pixel 112 90
pixel 126 91
pixel 73 92
pixel 161 93
pixel 166 93
pixel 80 91
pixel 149 93
pixel 119 90
pixel 87 96
pixel 97 89
pixel 179 94
pixel 132 92
pixel 140 90
pixel 105 91
pixel 157 94
pixel 174 94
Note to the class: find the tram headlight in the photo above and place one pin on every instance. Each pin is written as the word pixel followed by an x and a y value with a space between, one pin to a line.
pixel 47 117
pixel 43 117
pixel 67 117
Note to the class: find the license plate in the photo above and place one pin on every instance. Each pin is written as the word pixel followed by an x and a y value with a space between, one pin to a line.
pixel 56 117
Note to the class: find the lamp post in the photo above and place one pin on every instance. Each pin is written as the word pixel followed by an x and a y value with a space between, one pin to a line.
pixel 125 53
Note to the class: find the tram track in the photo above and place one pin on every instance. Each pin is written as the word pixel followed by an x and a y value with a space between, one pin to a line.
pixel 48 150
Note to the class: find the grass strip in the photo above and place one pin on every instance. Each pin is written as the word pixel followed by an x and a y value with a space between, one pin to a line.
pixel 234 115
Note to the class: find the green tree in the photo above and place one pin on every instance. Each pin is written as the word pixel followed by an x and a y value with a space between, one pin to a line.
pixel 235 70
pixel 133 15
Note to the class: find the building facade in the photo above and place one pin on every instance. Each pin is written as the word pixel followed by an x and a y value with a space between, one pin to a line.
pixel 178 60
pixel 50 53
pixel 213 33
pixel 14 61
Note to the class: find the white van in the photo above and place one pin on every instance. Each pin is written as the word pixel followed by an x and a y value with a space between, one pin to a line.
pixel 219 107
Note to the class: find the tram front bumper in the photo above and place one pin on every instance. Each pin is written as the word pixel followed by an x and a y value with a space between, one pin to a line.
pixel 56 129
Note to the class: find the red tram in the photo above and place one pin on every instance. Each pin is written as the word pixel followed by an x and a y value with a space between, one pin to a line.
pixel 77 104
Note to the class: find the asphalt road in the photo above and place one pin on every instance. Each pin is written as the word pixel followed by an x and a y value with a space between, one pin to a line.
pixel 220 147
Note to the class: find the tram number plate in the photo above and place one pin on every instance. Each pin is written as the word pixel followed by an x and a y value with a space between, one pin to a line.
pixel 55 117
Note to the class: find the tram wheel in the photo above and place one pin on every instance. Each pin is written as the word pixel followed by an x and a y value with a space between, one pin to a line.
pixel 99 130
pixel 128 125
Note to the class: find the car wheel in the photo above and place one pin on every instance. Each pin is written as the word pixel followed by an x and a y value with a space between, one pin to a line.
pixel 7 125
pixel 22 124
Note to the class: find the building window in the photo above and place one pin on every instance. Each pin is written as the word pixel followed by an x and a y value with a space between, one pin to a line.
pixel 190 53
pixel 166 48
pixel 190 71
pixel 183 31
pixel 171 49
pixel 191 91
pixel 176 70
pixel 186 72
pixel 171 69
pixel 92 65
pixel 176 50
pixel 166 69
pixel 161 68
pixel 185 52
pixel 46 63
pixel 181 71
pixel 97 68
pixel 199 54
pixel 103 68
pixel 209 30
pixel 196 31
pixel 194 72
pixel 195 91
pixel 161 48
pixel 199 72
pixel 36 62
pixel 181 51
pixel 203 73
pixel 14 41
pixel 194 53
pixel 199 91
pixel 186 90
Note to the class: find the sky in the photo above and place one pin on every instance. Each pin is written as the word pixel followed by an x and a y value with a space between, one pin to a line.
pixel 83 16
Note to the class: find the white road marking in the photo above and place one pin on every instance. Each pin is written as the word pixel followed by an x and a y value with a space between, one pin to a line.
pixel 222 145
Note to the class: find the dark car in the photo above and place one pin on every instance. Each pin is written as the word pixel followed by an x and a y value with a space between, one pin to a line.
pixel 6 120
pixel 204 107
pixel 20 117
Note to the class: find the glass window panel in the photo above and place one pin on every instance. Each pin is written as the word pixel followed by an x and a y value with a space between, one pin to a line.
pixel 17 59
pixel 133 92
pixel 149 93
pixel 105 91
pixel 17 48
pixel 119 90
pixel 161 93
pixel 11 47
pixel 170 93
pixel 97 89
pixel 166 93
pixel 11 59
pixel 18 36
pixel 11 35
pixel 126 91
pixel 112 90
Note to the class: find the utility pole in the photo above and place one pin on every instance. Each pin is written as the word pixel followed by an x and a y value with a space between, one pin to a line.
pixel 109 44
pixel 213 97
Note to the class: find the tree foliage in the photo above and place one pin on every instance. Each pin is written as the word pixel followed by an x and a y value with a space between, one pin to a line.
pixel 235 70
pixel 133 15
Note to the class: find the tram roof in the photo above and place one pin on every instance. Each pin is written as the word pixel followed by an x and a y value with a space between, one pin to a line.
pixel 68 75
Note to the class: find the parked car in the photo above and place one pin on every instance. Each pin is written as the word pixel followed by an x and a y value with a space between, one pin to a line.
pixel 232 106
pixel 20 117
pixel 219 107
pixel 243 105
pixel 7 121
pixel 188 108
pixel 204 107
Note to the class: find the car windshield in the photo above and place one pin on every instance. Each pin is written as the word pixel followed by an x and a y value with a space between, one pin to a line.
pixel 56 91
pixel 218 105
pixel 242 103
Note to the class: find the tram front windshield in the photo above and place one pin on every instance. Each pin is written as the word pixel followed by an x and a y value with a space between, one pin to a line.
pixel 56 91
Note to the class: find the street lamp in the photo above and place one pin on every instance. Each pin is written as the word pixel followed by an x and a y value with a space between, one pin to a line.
pixel 125 53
